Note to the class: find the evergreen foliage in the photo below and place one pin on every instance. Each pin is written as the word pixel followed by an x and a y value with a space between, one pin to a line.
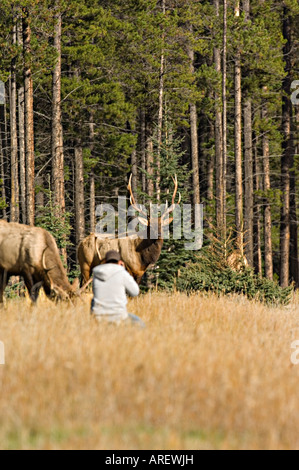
pixel 60 227
pixel 208 274
pixel 111 83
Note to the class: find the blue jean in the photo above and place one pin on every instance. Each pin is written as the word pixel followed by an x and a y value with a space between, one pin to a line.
pixel 136 320
pixel 132 319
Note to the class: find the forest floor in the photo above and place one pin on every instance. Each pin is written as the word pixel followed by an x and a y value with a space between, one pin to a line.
pixel 206 373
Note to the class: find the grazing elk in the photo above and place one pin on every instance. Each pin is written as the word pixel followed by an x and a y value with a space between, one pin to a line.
pixel 137 253
pixel 32 253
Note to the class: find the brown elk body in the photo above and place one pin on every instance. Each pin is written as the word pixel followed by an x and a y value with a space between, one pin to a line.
pixel 236 261
pixel 137 253
pixel 31 252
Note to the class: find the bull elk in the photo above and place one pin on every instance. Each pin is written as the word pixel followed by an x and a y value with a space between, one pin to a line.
pixel 137 253
pixel 31 252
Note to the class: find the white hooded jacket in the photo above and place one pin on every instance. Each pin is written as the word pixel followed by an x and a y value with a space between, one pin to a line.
pixel 111 284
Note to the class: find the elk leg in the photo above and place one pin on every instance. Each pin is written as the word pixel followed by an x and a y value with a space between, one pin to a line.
pixel 29 284
pixel 48 291
pixel 3 284
pixel 138 279
pixel 34 293
pixel 85 275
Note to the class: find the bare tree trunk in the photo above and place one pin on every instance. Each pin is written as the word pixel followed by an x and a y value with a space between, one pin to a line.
pixel 57 134
pixel 92 186
pixel 224 117
pixel 2 175
pixel 210 170
pixel 134 167
pixel 238 144
pixel 218 138
pixel 29 123
pixel 257 232
pixel 14 194
pixel 40 195
pixel 21 119
pixel 248 157
pixel 143 148
pixel 194 137
pixel 195 156
pixel 57 131
pixel 286 157
pixel 246 9
pixel 159 139
pixel 294 261
pixel 3 151
pixel 204 138
pixel 297 129
pixel 92 204
pixel 267 202
pixel 150 162
pixel 21 116
pixel 160 112
pixel 79 195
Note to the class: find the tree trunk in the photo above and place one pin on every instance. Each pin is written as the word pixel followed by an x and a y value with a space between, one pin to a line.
pixel 21 119
pixel 21 115
pixel 92 204
pixel 2 172
pixel 294 261
pixel 14 194
pixel 160 112
pixel 238 145
pixel 40 195
pixel 257 232
pixel 224 118
pixel 267 202
pixel 3 152
pixel 210 169
pixel 286 157
pixel 248 157
pixel 194 137
pixel 134 167
pixel 218 138
pixel 92 186
pixel 57 134
pixel 57 131
pixel 79 195
pixel 29 123
pixel 246 9
pixel 143 148
pixel 150 162
pixel 194 153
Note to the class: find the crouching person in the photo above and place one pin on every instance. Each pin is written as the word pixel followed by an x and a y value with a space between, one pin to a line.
pixel 111 284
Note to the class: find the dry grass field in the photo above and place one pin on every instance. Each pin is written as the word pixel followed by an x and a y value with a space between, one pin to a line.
pixel 206 373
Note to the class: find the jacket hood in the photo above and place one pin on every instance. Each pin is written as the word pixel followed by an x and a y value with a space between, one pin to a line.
pixel 107 271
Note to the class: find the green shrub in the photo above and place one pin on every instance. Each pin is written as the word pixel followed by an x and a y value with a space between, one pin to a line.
pixel 210 275
pixel 15 290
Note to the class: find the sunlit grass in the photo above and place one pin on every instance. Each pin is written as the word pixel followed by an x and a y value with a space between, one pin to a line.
pixel 206 373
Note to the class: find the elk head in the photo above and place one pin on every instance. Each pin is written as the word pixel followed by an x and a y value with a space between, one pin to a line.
pixel 156 224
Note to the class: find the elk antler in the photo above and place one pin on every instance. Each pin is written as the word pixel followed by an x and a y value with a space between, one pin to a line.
pixel 132 199
pixel 86 285
pixel 176 187
pixel 47 270
pixel 173 203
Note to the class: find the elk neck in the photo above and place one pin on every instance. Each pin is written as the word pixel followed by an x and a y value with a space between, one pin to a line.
pixel 150 250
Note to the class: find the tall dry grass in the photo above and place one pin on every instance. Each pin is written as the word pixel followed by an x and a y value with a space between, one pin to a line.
pixel 205 373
